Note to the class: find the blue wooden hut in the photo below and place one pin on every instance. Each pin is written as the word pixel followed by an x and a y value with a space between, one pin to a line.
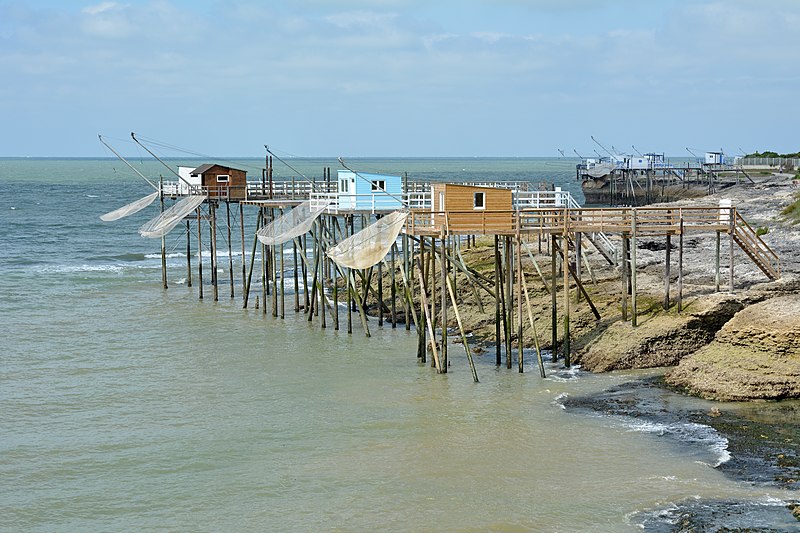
pixel 364 191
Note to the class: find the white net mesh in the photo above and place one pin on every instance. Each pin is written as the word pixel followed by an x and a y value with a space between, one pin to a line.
pixel 371 244
pixel 292 224
pixel 163 223
pixel 131 208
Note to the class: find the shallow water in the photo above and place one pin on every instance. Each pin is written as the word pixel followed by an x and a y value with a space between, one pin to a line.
pixel 126 407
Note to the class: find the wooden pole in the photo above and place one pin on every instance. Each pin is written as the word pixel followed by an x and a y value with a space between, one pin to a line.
pixel 497 292
pixel 282 282
pixel 163 243
pixel 553 297
pixel 539 359
pixel 443 258
pixel 380 293
pixel 578 258
pixel 565 269
pixel 264 269
pixel 245 285
pixel 520 281
pixel 422 350
pixel 199 254
pixel 294 276
pixel 230 244
pixel 305 275
pixel 667 272
pixel 461 330
pixel 680 264
pixel 625 268
pixel 407 305
pixel 214 284
pixel 634 247
pixel 716 265
pixel 188 254
pixel 428 321
pixel 252 258
pixel 509 296
pixel 394 287
pixel 731 232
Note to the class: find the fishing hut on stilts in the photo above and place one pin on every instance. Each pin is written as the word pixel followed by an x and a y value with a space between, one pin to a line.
pixel 360 242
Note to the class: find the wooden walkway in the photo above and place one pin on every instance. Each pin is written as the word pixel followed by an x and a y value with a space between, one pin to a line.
pixel 625 221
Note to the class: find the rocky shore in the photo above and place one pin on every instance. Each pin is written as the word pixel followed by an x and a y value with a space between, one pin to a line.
pixel 740 345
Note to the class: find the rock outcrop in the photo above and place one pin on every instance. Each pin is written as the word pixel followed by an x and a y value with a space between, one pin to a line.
pixel 756 355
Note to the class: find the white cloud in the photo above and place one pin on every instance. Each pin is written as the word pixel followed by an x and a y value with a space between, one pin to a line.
pixel 102 7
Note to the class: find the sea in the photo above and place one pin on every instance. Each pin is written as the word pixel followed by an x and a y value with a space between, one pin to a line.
pixel 125 406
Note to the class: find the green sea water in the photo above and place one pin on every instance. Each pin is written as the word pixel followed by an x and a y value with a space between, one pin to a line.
pixel 126 407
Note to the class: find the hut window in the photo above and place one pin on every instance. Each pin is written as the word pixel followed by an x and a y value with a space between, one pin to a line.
pixel 344 185
pixel 223 178
pixel 378 185
pixel 479 201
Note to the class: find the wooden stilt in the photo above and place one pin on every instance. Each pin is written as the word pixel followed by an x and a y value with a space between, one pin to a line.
pixel 625 269
pixel 349 302
pixel 667 272
pixel 245 283
pixel 520 321
pixel 451 291
pixel 567 355
pixel 321 265
pixel 163 243
pixel 578 258
pixel 230 244
pixel 428 321
pixel 553 298
pixel 680 264
pixel 443 258
pixel 362 314
pixel 199 254
pixel 716 264
pixel 252 259
pixel 509 296
pixel 282 283
pixel 731 233
pixel 264 274
pixel 634 248
pixel 407 304
pixel 188 254
pixel 498 289
pixel 214 279
pixel 539 359
pixel 305 275
pixel 294 276
pixel 393 294
pixel 380 293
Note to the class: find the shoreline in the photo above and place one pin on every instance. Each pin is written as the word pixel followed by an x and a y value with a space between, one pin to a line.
pixel 762 437
pixel 757 445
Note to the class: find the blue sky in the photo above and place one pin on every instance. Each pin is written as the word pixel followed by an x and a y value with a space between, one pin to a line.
pixel 401 77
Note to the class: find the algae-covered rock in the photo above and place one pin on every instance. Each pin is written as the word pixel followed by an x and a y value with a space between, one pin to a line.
pixel 660 339
pixel 756 355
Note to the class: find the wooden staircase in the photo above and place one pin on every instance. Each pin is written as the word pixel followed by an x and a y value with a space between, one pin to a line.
pixel 761 254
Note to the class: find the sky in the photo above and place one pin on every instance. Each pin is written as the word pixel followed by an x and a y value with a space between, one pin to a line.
pixel 400 78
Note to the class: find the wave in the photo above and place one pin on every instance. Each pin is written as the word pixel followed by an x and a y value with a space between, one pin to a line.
pixel 688 432
pixel 698 514
pixel 559 373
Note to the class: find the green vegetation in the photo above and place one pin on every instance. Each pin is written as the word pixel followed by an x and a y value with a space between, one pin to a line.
pixel 772 154
pixel 762 230
pixel 792 212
